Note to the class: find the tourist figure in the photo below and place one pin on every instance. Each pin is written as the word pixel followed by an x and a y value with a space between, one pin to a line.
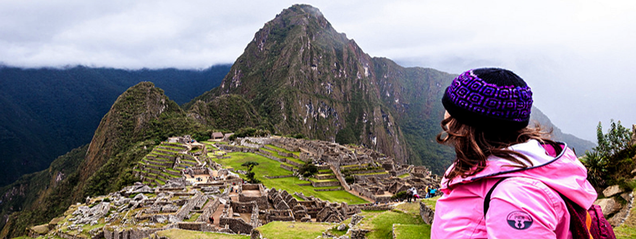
pixel 486 121
pixel 426 191
pixel 415 196
pixel 409 194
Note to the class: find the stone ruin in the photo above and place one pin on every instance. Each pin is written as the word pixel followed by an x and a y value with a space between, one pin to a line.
pixel 238 207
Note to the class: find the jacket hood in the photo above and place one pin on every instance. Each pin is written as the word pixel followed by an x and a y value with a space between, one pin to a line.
pixel 563 173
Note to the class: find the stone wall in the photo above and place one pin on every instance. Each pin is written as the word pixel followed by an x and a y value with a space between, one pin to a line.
pixel 232 148
pixel 287 167
pixel 185 210
pixel 327 189
pixel 325 184
pixel 426 213
pixel 340 178
pixel 383 207
pixel 209 210
pixel 237 225
pixel 193 226
pixel 379 176
pixel 261 200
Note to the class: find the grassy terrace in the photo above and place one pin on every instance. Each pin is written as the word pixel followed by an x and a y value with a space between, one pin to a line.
pixel 364 174
pixel 355 166
pixel 187 234
pixel 280 149
pixel 404 175
pixel 275 154
pixel 293 230
pixel 406 215
pixel 328 187
pixel 325 171
pixel 269 167
pixel 323 180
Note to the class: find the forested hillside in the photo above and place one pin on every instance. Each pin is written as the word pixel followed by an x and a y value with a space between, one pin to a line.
pixel 46 112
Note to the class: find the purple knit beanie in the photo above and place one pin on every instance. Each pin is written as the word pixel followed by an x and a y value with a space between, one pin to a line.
pixel 490 99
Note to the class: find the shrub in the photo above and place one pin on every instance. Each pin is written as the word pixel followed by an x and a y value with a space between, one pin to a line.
pixel 308 169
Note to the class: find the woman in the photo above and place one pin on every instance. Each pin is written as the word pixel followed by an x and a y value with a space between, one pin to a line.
pixel 486 119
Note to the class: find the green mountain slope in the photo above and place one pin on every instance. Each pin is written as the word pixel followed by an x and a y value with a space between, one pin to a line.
pixel 139 119
pixel 59 109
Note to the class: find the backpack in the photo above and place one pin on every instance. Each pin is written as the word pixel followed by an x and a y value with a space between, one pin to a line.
pixel 588 223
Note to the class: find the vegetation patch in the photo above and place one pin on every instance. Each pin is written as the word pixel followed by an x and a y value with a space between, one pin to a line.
pixel 269 167
pixel 411 231
pixel 186 234
pixel 293 230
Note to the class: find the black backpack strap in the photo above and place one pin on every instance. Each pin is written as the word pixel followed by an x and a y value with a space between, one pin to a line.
pixel 489 194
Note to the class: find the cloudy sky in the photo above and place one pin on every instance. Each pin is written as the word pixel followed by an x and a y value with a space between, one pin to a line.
pixel 576 55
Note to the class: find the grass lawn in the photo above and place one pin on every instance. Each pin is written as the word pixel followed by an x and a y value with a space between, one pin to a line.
pixel 186 234
pixel 269 167
pixel 293 230
pixel 411 231
pixel 279 149
pixel 407 215
pixel 275 154
pixel 323 180
pixel 628 228
pixel 364 174
pixel 290 184
pixel 265 167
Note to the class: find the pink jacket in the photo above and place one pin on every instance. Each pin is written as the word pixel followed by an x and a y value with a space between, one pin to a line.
pixel 526 205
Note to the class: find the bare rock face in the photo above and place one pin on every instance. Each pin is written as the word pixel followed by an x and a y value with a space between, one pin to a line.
pixel 428 214
pixel 612 190
pixel 355 220
pixel 608 205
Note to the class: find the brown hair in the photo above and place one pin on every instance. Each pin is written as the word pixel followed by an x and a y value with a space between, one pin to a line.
pixel 474 145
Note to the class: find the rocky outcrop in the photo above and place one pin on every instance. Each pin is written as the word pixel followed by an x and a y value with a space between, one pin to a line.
pixel 312 80
pixel 608 205
pixel 612 190
pixel 617 205
pixel 426 213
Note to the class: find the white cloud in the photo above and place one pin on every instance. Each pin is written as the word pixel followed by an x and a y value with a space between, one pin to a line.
pixel 577 55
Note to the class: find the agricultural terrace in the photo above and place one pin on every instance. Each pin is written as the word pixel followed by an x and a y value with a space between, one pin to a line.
pixel 270 167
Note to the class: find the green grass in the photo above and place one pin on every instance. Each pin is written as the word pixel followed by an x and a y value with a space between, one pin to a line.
pixel 193 218
pixel 269 167
pixel 411 231
pixel 323 180
pixel 265 167
pixel 430 202
pixel 290 184
pixel 381 222
pixel 379 173
pixel 628 228
pixel 280 149
pixel 186 234
pixel 293 230
pixel 404 175
pixel 275 154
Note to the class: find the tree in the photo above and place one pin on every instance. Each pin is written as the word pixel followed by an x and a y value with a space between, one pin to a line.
pixel 606 158
pixel 308 169
pixel 617 139
pixel 250 175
